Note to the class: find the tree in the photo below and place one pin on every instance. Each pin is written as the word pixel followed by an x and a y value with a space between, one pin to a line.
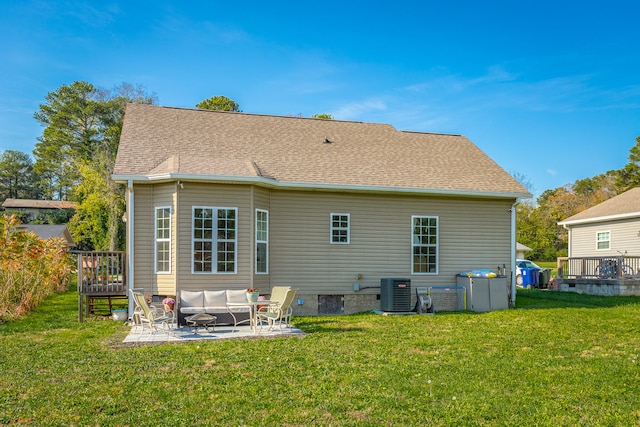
pixel 537 225
pixel 76 155
pixel 71 116
pixel 322 116
pixel 16 176
pixel 219 103
pixel 629 176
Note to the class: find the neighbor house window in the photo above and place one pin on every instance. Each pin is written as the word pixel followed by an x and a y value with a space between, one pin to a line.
pixel 603 240
pixel 262 241
pixel 214 240
pixel 163 240
pixel 340 228
pixel 424 245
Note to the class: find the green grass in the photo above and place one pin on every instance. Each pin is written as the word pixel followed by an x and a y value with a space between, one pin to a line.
pixel 558 359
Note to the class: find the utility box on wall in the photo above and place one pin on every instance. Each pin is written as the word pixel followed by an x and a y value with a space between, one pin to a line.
pixel 395 294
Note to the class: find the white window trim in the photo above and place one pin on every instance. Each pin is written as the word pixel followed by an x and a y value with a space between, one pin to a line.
pixel 598 233
pixel 332 228
pixel 266 242
pixel 437 245
pixel 214 241
pixel 156 239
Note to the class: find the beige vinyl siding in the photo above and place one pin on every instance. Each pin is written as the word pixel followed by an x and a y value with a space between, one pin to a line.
pixel 472 234
pixel 143 238
pixel 624 237
pixel 219 196
pixel 146 199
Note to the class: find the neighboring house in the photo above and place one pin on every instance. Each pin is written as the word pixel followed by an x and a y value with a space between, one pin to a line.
pixel 610 228
pixel 45 231
pixel 232 200
pixel 521 250
pixel 35 207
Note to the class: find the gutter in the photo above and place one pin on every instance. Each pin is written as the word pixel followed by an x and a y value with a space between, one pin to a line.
pixel 599 219
pixel 312 186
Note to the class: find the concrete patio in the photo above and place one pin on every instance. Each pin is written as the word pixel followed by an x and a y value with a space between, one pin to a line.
pixel 221 332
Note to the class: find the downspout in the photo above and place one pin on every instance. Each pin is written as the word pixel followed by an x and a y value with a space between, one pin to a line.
pixel 252 231
pixel 568 239
pixel 512 303
pixel 130 252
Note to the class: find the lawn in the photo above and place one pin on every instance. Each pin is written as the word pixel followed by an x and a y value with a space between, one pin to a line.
pixel 558 359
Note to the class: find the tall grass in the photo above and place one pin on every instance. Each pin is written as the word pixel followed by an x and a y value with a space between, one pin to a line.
pixel 30 268
pixel 556 360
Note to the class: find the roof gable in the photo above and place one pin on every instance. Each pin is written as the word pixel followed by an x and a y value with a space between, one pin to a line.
pixel 174 143
pixel 625 205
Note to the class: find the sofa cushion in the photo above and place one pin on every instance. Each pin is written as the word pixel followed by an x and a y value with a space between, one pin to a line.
pixel 236 295
pixel 191 299
pixel 215 298
pixel 191 310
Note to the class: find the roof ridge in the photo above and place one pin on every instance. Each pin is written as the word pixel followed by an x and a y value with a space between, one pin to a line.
pixel 169 107
pixel 431 133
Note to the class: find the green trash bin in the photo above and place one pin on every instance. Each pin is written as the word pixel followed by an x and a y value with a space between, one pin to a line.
pixel 544 278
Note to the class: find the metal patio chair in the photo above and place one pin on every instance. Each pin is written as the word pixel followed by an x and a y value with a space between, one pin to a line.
pixel 151 317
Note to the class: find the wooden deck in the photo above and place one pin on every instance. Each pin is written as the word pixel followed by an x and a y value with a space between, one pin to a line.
pixel 606 275
pixel 100 275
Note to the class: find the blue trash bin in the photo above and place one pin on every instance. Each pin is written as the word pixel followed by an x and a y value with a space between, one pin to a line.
pixel 530 277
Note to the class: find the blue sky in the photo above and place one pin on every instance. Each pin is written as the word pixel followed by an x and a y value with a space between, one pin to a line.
pixel 549 89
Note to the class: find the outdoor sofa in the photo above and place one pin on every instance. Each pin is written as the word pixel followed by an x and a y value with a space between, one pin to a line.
pixel 213 302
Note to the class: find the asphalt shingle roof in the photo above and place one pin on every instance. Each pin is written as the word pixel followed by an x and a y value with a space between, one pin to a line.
pixel 625 204
pixel 48 231
pixel 209 145
pixel 37 204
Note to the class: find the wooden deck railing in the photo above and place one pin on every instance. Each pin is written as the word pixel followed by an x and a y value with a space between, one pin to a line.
pixel 100 275
pixel 602 268
pixel 101 272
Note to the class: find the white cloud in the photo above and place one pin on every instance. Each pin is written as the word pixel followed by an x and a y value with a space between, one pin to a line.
pixel 355 110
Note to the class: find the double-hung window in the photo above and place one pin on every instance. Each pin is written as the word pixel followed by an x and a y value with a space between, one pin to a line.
pixel 603 240
pixel 262 241
pixel 163 239
pixel 340 228
pixel 214 243
pixel 424 245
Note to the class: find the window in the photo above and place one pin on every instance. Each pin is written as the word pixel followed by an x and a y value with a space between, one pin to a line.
pixel 603 240
pixel 340 229
pixel 163 240
pixel 214 240
pixel 262 241
pixel 425 245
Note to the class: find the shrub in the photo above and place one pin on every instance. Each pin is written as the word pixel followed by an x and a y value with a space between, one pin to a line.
pixel 30 268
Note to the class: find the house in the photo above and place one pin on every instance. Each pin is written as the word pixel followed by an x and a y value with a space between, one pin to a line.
pixel 521 250
pixel 610 228
pixel 604 248
pixel 50 231
pixel 34 207
pixel 232 200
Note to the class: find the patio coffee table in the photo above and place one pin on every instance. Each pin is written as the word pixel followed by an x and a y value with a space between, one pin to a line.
pixel 201 319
